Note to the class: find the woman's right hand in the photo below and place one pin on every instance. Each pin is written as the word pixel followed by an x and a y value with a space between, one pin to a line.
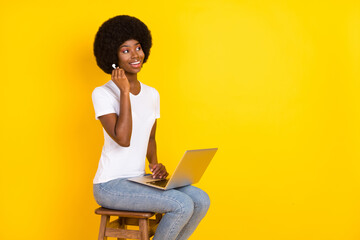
pixel 119 78
pixel 158 170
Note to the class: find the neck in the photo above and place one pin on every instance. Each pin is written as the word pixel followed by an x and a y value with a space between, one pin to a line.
pixel 132 77
pixel 134 82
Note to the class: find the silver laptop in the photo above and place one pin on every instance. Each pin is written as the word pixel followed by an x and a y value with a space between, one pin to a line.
pixel 189 170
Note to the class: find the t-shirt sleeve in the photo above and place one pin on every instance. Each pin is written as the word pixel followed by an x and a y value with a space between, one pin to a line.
pixel 102 103
pixel 157 104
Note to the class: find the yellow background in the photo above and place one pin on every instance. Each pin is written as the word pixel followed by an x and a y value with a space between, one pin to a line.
pixel 273 84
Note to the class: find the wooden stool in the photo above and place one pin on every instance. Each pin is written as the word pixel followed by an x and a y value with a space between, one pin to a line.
pixel 117 228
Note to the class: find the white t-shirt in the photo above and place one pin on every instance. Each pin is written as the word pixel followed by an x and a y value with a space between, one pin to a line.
pixel 117 161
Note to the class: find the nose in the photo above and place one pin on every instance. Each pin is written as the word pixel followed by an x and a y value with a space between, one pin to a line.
pixel 135 55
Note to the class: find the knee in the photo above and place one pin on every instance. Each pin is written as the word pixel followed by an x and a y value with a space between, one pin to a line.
pixel 185 205
pixel 202 202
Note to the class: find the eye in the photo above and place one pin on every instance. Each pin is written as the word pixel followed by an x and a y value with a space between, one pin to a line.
pixel 138 48
pixel 125 51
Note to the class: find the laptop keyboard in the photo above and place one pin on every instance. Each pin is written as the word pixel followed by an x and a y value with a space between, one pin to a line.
pixel 160 183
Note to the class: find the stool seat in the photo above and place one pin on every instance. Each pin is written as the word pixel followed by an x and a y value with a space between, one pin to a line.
pixel 118 227
pixel 112 212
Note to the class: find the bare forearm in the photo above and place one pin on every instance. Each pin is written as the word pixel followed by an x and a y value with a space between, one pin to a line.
pixel 151 152
pixel 123 126
pixel 158 170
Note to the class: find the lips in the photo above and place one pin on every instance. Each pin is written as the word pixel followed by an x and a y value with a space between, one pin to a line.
pixel 136 64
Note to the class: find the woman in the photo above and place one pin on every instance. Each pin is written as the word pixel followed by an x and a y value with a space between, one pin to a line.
pixel 127 110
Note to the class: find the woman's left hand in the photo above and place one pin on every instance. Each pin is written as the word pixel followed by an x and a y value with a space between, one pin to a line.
pixel 158 170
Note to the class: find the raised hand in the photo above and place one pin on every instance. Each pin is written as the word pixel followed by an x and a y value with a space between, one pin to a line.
pixel 119 78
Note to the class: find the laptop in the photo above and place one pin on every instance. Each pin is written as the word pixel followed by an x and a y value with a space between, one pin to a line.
pixel 188 171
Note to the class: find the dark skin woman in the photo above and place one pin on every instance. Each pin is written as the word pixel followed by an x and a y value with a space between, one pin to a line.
pixel 128 110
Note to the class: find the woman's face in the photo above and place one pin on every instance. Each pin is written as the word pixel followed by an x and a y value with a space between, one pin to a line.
pixel 131 56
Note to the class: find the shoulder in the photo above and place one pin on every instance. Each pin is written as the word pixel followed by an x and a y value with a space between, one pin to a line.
pixel 106 90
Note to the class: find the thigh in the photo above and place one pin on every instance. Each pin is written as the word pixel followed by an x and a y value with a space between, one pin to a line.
pixel 199 197
pixel 126 195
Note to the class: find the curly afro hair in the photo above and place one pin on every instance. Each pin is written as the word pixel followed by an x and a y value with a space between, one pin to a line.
pixel 113 33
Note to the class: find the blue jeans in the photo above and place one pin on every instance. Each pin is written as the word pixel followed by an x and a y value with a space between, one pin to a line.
pixel 184 207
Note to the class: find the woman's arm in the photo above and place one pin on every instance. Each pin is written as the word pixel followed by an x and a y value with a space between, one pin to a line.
pixel 119 127
pixel 158 170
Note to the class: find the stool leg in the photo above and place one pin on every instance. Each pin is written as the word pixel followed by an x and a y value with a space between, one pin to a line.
pixel 144 228
pixel 121 226
pixel 103 223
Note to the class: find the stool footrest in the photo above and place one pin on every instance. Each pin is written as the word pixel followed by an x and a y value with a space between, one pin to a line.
pixel 122 233
pixel 130 222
